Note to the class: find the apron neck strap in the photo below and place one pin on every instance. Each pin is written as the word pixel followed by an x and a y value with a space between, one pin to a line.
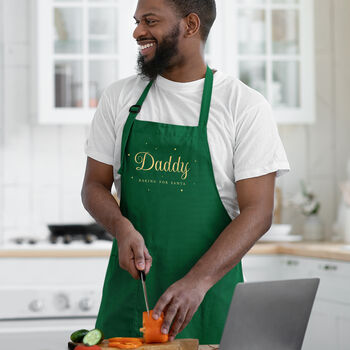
pixel 206 98
pixel 133 112
pixel 135 109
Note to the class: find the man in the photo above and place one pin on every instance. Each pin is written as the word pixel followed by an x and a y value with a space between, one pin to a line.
pixel 193 155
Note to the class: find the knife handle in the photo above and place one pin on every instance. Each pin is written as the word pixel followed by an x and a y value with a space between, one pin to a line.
pixel 142 275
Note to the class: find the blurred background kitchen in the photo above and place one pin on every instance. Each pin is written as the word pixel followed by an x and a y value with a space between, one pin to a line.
pixel 57 57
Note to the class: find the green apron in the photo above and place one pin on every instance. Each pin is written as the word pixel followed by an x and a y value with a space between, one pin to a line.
pixel 168 192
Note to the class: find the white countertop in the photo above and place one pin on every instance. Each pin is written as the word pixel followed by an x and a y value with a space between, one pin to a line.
pixel 47 249
pixel 326 250
pixel 99 244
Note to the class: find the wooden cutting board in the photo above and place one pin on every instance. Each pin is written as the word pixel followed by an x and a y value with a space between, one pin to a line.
pixel 177 344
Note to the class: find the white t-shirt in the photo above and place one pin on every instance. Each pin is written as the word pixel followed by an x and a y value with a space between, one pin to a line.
pixel 242 133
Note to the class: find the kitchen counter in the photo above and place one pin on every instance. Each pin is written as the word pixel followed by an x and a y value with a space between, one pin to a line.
pixel 76 249
pixel 321 250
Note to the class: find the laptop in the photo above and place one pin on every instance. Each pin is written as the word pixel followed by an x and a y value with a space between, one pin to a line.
pixel 270 315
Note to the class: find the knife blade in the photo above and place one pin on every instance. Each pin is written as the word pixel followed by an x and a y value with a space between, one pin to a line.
pixel 143 281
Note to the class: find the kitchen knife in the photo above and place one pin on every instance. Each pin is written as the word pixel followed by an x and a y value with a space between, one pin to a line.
pixel 143 281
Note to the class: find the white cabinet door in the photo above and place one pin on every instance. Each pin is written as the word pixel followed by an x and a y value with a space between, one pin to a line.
pixel 268 44
pixel 321 332
pixel 81 48
pixel 344 331
pixel 295 267
pixel 261 268
pixel 334 280
pixel 62 271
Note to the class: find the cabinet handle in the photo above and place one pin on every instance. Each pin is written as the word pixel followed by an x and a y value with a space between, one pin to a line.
pixel 328 267
pixel 292 262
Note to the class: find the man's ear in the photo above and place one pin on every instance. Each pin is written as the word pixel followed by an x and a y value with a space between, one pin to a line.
pixel 193 24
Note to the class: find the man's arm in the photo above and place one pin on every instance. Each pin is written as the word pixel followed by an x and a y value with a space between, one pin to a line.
pixel 97 198
pixel 99 202
pixel 255 197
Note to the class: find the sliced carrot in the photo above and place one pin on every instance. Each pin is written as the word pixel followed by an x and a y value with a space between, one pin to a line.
pixel 125 345
pixel 121 339
pixel 152 329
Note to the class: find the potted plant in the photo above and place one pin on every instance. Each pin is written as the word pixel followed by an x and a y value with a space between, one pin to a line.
pixel 308 204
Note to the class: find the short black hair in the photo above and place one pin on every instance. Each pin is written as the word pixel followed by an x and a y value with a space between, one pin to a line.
pixel 205 9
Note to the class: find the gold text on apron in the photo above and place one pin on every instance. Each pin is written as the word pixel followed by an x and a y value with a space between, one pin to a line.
pixel 147 162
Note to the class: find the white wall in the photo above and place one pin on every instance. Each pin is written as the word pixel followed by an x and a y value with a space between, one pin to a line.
pixel 41 167
pixel 1 117
pixel 318 153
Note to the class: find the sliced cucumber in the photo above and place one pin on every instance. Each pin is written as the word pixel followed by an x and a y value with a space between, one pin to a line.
pixel 94 337
pixel 78 335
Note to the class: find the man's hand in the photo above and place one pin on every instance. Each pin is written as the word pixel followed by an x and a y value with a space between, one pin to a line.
pixel 133 253
pixel 179 303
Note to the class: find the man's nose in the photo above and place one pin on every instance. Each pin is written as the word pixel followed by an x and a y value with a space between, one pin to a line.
pixel 139 31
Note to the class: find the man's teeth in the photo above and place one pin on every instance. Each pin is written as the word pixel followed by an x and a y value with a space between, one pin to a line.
pixel 146 46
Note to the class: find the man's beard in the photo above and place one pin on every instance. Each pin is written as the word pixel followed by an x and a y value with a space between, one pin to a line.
pixel 162 59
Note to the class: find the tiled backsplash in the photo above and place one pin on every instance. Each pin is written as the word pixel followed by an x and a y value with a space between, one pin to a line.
pixel 43 172
pixel 42 167
pixel 2 131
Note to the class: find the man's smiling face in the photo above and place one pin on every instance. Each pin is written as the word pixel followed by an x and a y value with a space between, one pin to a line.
pixel 158 34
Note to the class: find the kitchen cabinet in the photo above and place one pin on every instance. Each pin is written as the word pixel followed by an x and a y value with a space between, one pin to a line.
pixel 44 299
pixel 261 268
pixel 81 47
pixel 321 332
pixel 330 317
pixel 343 332
pixel 269 45
pixel 331 314
pixel 273 267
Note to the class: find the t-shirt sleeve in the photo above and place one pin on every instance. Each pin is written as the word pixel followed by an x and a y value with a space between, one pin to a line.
pixel 258 148
pixel 101 139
